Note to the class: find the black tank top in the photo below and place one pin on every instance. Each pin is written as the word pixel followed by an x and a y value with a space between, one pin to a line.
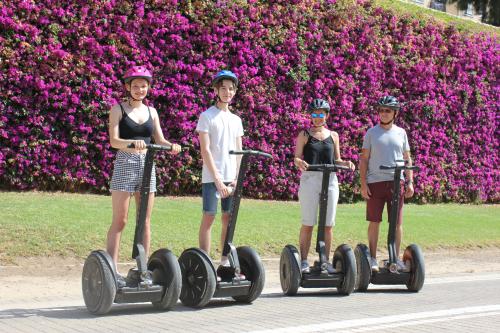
pixel 130 130
pixel 318 151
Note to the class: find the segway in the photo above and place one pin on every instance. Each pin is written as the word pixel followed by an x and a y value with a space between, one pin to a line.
pixel 413 274
pixel 199 277
pixel 344 278
pixel 157 281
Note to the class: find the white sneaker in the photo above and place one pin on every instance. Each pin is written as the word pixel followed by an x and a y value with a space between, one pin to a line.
pixel 304 267
pixel 374 264
pixel 402 266
pixel 330 269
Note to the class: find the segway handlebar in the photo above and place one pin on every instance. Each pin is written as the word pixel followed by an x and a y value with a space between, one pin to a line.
pixel 250 152
pixel 401 167
pixel 153 146
pixel 331 167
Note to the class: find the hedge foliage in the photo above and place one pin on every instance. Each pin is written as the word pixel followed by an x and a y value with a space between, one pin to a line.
pixel 61 64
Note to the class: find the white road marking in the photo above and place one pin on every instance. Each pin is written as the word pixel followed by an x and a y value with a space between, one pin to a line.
pixel 422 322
pixel 372 323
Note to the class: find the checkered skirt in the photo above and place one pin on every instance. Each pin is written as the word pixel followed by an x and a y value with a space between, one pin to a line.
pixel 127 173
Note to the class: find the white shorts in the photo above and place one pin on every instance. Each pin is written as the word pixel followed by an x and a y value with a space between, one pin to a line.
pixel 309 192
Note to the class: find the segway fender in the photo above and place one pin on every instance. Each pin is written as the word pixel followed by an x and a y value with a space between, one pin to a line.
pixel 296 255
pixel 364 250
pixel 204 255
pixel 109 261
pixel 364 273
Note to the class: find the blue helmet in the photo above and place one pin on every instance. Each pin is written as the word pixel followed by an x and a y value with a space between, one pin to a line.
pixel 318 104
pixel 225 75
pixel 389 101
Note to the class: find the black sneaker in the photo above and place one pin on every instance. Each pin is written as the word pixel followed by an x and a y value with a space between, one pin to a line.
pixel 227 273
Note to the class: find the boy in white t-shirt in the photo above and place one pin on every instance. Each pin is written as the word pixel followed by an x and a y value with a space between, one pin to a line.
pixel 219 131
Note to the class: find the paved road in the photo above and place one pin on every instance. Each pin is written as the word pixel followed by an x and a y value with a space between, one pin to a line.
pixel 447 303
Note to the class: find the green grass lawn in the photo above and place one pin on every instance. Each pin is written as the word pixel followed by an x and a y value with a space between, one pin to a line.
pixel 427 14
pixel 46 224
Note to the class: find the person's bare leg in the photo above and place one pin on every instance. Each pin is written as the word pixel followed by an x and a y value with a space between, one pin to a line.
pixel 205 232
pixel 305 240
pixel 399 237
pixel 120 203
pixel 328 241
pixel 373 231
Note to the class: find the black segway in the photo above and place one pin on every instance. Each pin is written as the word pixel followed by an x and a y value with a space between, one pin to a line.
pixel 199 277
pixel 414 273
pixel 344 278
pixel 157 281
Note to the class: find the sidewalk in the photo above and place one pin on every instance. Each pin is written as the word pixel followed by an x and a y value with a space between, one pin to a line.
pixel 37 280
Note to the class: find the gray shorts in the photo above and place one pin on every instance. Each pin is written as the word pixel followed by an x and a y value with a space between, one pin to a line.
pixel 127 173
pixel 309 192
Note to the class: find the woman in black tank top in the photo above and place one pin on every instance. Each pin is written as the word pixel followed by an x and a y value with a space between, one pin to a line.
pixel 316 145
pixel 132 122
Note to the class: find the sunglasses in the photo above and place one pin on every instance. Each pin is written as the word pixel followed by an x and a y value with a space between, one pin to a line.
pixel 318 115
pixel 385 110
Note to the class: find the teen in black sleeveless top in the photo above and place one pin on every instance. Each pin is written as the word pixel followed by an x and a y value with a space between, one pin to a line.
pixel 317 145
pixel 129 129
pixel 318 151
pixel 137 123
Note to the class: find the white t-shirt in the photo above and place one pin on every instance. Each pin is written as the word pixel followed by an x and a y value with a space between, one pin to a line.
pixel 385 146
pixel 223 128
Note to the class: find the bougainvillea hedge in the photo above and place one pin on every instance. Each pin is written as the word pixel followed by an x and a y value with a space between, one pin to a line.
pixel 61 63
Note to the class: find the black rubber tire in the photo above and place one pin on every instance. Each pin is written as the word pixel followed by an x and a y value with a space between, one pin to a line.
pixel 290 276
pixel 251 266
pixel 167 273
pixel 344 260
pixel 198 279
pixel 364 273
pixel 417 272
pixel 98 285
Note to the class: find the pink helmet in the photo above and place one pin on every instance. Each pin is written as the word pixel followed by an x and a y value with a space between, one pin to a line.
pixel 137 72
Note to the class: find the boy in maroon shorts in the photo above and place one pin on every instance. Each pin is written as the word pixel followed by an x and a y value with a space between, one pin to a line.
pixel 383 144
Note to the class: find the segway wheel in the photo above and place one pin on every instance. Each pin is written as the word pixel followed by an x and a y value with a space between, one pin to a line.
pixel 413 254
pixel 166 273
pixel 364 273
pixel 251 266
pixel 290 270
pixel 345 262
pixel 98 285
pixel 198 278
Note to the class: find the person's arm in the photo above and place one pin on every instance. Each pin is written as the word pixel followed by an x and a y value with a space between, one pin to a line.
pixel 300 142
pixel 363 169
pixel 337 158
pixel 158 133
pixel 408 175
pixel 114 132
pixel 208 159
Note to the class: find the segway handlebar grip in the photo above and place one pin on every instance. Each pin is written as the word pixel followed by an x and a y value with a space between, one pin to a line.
pixel 153 146
pixel 250 152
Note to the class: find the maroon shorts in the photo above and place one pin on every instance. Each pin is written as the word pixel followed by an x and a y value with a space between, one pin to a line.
pixel 382 194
